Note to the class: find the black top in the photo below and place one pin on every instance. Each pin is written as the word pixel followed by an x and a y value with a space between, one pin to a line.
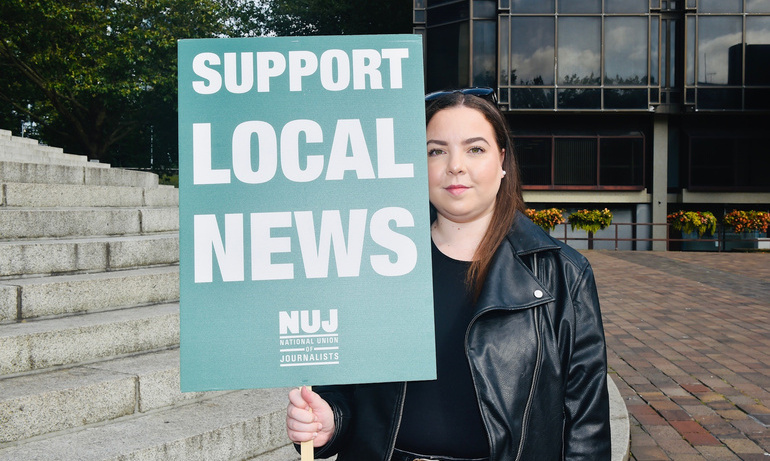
pixel 442 417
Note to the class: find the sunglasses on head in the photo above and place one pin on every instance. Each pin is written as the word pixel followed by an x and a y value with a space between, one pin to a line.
pixel 484 93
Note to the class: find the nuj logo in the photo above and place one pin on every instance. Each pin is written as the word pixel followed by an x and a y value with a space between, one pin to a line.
pixel 307 322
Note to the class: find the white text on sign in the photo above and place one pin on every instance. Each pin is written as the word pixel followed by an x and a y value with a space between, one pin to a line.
pixel 335 69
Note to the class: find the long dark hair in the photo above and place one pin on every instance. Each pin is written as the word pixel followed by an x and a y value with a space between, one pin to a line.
pixel 509 198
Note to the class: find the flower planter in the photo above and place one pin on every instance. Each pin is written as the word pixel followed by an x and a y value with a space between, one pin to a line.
pixel 691 242
pixel 741 240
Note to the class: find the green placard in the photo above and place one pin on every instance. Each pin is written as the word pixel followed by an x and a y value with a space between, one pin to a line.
pixel 304 218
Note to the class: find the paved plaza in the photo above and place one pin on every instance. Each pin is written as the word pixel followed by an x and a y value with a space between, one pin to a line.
pixel 688 344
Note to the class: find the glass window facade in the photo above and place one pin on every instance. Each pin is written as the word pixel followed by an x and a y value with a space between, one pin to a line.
pixel 625 51
pixel 558 60
pixel 592 55
pixel 728 61
pixel 579 51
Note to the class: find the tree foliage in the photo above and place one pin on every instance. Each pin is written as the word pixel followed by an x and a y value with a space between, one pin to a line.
pixel 99 77
pixel 339 17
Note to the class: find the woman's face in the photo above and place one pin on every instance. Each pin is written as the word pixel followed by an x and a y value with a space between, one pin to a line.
pixel 465 164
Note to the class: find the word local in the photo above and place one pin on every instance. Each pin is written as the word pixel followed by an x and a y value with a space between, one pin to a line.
pixel 348 132
pixel 334 68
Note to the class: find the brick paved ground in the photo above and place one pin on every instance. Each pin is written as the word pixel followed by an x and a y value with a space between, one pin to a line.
pixel 688 337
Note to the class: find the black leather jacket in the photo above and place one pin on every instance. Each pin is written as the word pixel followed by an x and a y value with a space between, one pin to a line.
pixel 537 355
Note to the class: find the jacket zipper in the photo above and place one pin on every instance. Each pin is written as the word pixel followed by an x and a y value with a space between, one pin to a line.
pixel 398 423
pixel 530 398
pixel 535 373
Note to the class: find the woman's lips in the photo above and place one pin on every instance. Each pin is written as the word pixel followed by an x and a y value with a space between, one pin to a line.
pixel 456 189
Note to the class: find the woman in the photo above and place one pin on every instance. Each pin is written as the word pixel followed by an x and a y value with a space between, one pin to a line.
pixel 520 347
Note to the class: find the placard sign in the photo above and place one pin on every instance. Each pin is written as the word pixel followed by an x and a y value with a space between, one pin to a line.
pixel 304 218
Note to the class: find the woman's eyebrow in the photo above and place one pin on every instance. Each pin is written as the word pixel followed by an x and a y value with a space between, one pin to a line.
pixel 467 141
pixel 476 139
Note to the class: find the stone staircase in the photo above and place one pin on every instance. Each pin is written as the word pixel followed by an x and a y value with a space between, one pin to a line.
pixel 89 323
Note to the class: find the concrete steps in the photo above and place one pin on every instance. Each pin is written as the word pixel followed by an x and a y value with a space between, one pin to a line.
pixel 27 223
pixel 62 195
pixel 28 150
pixel 71 294
pixel 75 339
pixel 236 425
pixel 83 173
pixel 70 255
pixel 89 323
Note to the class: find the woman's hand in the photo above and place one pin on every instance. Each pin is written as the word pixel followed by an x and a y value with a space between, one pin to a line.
pixel 309 417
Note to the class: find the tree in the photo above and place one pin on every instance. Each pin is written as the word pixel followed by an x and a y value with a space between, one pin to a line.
pixel 99 76
pixel 335 17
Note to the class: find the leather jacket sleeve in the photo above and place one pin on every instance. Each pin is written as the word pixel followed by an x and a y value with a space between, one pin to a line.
pixel 587 431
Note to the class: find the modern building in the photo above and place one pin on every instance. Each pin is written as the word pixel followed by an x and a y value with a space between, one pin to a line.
pixel 641 106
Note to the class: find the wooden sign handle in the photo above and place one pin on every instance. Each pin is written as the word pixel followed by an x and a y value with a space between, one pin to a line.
pixel 306 448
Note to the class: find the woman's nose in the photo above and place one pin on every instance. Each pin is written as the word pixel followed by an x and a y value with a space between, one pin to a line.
pixel 455 164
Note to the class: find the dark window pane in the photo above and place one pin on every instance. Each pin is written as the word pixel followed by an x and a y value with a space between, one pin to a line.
pixel 579 53
pixel 719 49
pixel 626 6
pixel 504 98
pixel 720 6
pixel 626 98
pixel 671 44
pixel 710 163
pixel 441 2
pixel 690 96
pixel 758 6
pixel 752 163
pixel 532 6
pixel 758 50
pixel 419 16
pixel 534 157
pixel 690 53
pixel 486 9
pixel 419 3
pixel 758 99
pixel 484 52
pixel 719 98
pixel 730 163
pixel 580 6
pixel 504 52
pixel 757 64
pixel 621 162
pixel 575 162
pixel 448 13
pixel 654 44
pixel 447 49
pixel 654 95
pixel 532 51
pixel 625 51
pixel 579 98
pixel 531 98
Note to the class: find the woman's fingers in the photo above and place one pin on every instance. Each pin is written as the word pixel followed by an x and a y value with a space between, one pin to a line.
pixel 307 416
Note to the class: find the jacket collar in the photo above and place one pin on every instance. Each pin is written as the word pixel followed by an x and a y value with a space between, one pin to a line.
pixel 510 283
pixel 527 237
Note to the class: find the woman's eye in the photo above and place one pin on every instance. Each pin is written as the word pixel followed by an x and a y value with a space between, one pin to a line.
pixel 434 152
pixel 476 150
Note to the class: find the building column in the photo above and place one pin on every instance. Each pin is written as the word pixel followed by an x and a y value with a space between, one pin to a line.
pixel 659 180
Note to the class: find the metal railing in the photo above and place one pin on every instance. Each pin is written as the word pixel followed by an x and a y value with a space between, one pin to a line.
pixel 722 240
